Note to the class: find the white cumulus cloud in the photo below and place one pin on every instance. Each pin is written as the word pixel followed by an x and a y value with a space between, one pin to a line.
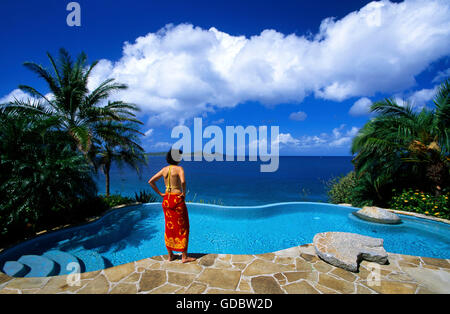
pixel 183 71
pixel 298 116
pixel 441 75
pixel 148 133
pixel 15 94
pixel 361 107
pixel 339 137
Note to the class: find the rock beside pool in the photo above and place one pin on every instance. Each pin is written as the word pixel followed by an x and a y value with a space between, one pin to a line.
pixel 376 214
pixel 346 250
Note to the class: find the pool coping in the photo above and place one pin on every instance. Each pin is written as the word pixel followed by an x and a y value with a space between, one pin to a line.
pixel 417 215
pixel 406 213
pixel 296 270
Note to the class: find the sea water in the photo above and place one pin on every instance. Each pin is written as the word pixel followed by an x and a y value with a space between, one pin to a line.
pixel 298 178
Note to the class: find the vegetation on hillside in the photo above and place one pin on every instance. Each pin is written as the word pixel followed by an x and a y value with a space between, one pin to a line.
pixel 398 151
pixel 52 144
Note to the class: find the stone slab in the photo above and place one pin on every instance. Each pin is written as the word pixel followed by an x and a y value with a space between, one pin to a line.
pixel 378 215
pixel 294 270
pixel 437 281
pixel 346 250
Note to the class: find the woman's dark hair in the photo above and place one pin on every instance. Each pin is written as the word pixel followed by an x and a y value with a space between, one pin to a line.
pixel 173 156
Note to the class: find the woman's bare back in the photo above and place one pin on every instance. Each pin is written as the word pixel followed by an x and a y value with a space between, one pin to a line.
pixel 175 178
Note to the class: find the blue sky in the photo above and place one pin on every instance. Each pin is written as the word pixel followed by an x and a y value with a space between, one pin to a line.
pixel 310 67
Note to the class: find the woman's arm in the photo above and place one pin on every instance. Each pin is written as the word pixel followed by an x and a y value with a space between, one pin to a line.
pixel 183 182
pixel 152 181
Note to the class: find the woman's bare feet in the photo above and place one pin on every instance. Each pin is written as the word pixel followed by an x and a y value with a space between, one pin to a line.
pixel 186 259
pixel 171 256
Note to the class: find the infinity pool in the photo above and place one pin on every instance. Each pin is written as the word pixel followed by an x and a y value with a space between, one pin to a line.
pixel 137 232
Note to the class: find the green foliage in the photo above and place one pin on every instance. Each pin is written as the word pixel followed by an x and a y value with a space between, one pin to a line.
pixel 117 142
pixel 402 148
pixel 102 132
pixel 193 199
pixel 41 177
pixel 304 194
pixel 340 189
pixel 145 197
pixel 422 202
pixel 211 202
pixel 50 147
pixel 349 189
pixel 116 199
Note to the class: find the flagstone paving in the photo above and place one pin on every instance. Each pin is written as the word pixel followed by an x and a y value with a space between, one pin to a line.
pixel 295 270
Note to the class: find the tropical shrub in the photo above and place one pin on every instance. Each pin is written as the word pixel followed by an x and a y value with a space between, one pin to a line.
pixel 145 197
pixel 350 190
pixel 116 199
pixel 422 202
pixel 403 148
pixel 41 177
pixel 340 189
pixel 50 146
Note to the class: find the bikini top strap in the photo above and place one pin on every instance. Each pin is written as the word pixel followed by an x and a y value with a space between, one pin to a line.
pixel 169 187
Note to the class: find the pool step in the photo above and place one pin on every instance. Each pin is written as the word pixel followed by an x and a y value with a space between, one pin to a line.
pixel 15 269
pixel 39 266
pixel 63 260
pixel 90 261
pixel 55 262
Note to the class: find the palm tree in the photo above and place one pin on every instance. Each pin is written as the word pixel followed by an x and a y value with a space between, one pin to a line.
pixel 402 147
pixel 80 113
pixel 76 108
pixel 40 175
pixel 117 142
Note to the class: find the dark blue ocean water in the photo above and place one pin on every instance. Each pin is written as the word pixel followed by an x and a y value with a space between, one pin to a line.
pixel 298 178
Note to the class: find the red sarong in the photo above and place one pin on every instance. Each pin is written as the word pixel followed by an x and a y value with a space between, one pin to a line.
pixel 176 234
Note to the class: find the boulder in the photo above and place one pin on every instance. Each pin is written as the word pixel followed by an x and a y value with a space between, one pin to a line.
pixel 376 214
pixel 346 250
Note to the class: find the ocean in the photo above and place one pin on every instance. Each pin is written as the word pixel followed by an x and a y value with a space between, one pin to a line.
pixel 298 178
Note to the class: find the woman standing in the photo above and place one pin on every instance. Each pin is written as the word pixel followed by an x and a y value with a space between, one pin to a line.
pixel 176 234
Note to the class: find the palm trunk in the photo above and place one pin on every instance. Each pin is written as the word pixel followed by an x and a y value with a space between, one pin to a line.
pixel 436 175
pixel 106 169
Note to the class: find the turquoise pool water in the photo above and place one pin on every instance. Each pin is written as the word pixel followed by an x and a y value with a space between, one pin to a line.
pixel 137 232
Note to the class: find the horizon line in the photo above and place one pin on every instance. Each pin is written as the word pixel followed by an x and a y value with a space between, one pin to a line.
pixel 197 153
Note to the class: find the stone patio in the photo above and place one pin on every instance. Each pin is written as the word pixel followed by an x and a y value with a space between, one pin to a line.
pixel 294 270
